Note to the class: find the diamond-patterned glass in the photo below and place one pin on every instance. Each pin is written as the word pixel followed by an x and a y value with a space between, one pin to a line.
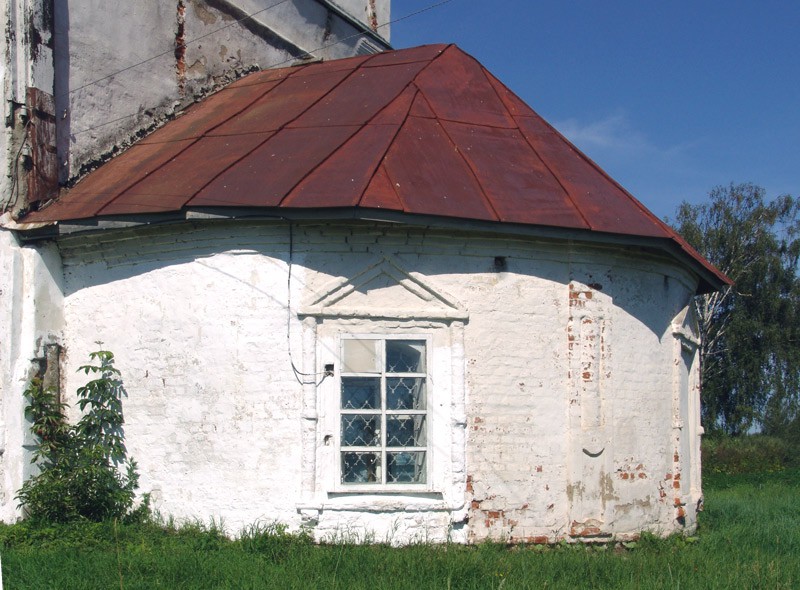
pixel 405 467
pixel 361 393
pixel 405 356
pixel 404 430
pixel 405 393
pixel 383 403
pixel 358 467
pixel 361 430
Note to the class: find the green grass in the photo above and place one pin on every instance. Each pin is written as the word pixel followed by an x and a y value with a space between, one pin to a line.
pixel 749 538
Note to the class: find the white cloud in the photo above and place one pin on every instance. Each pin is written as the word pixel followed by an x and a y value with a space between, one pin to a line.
pixel 660 175
pixel 612 132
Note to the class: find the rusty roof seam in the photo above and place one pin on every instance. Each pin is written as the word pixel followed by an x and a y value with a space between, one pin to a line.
pixel 204 134
pixel 381 160
pixel 486 198
pixel 553 174
pixel 393 183
pixel 274 133
pixel 461 122
pixel 389 145
pixel 119 193
pixel 195 140
pixel 250 104
pixel 473 172
pixel 361 65
pixel 664 227
pixel 312 105
pixel 490 80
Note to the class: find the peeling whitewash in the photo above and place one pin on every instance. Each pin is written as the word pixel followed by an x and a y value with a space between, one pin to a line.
pixel 562 392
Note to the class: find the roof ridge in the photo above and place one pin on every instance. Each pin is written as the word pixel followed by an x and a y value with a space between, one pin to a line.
pixel 493 83
pixel 322 161
pixel 293 74
pixel 394 137
pixel 470 167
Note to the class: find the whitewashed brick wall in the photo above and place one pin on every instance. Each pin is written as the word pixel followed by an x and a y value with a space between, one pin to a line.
pixel 558 402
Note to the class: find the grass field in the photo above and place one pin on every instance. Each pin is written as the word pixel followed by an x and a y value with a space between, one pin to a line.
pixel 749 537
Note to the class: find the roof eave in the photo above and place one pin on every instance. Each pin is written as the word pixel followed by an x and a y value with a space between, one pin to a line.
pixel 708 280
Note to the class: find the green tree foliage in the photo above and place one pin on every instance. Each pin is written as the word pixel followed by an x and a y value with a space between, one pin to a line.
pixel 750 356
pixel 84 471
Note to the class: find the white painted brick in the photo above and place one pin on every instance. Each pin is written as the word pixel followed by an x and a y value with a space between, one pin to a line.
pixel 198 322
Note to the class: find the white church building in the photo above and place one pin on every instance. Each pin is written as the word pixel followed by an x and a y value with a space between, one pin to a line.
pixel 366 292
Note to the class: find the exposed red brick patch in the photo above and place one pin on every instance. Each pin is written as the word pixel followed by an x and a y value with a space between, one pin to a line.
pixel 588 528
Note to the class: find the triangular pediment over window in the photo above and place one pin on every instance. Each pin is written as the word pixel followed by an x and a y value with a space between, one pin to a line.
pixel 383 290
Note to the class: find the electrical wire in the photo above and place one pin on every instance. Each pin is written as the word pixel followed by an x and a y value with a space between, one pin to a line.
pixel 269 66
pixel 298 374
pixel 12 197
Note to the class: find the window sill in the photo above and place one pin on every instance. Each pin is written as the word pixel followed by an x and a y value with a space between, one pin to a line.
pixel 400 492
pixel 381 501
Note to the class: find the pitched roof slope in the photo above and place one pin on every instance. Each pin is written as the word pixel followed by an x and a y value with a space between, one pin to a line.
pixel 426 130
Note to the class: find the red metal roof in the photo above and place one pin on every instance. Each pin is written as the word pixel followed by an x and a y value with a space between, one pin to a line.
pixel 426 130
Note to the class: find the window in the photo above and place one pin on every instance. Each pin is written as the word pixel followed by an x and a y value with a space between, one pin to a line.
pixel 383 411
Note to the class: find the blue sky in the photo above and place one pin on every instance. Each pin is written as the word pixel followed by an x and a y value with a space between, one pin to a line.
pixel 671 99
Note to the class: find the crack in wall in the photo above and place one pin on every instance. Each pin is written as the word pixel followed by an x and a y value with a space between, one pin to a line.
pixel 180 46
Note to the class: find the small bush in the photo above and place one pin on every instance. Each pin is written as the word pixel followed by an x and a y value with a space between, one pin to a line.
pixel 84 469
pixel 746 454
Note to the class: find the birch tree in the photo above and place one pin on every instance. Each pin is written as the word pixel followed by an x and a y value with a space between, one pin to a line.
pixel 750 355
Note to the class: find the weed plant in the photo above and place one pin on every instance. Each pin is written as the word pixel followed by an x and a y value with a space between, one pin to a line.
pixel 84 471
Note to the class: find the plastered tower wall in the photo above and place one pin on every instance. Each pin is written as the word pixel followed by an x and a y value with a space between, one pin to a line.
pixel 556 409
pixel 110 72
pixel 191 48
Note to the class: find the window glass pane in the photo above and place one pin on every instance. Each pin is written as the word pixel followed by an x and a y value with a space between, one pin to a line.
pixel 361 393
pixel 405 467
pixel 361 467
pixel 405 393
pixel 361 356
pixel 405 430
pixel 405 356
pixel 361 430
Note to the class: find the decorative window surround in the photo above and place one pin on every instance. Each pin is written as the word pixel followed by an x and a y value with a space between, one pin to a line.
pixel 384 302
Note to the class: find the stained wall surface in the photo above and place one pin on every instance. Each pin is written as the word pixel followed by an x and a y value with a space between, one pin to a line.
pixel 562 383
pixel 122 67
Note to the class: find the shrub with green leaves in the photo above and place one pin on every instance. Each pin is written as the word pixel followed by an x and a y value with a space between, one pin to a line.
pixel 84 471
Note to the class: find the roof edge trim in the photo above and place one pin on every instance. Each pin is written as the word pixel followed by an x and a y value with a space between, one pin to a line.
pixel 708 281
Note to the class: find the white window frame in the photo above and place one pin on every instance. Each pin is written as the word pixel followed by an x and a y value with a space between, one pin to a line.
pixel 430 425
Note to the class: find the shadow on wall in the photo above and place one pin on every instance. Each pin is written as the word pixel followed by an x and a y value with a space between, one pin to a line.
pixel 335 251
